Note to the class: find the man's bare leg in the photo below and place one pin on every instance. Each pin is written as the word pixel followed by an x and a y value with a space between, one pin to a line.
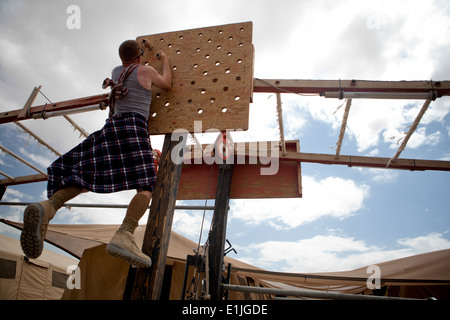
pixel 122 245
pixel 37 216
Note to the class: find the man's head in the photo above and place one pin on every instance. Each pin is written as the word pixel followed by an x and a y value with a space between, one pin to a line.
pixel 129 51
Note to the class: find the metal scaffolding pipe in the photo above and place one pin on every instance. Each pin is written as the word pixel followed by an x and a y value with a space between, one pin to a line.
pixel 308 293
pixel 50 114
pixel 380 95
pixel 107 206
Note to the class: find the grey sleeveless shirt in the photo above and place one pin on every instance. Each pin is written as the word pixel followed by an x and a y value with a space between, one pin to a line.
pixel 138 98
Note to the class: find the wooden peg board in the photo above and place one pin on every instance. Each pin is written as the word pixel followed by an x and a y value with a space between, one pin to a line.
pixel 212 76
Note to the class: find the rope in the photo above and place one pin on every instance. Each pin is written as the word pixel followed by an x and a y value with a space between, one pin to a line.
pixel 280 123
pixel 207 296
pixel 343 127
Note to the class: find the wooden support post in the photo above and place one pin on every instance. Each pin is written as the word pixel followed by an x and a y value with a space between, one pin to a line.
pixel 2 191
pixel 218 231
pixel 29 102
pixel 148 281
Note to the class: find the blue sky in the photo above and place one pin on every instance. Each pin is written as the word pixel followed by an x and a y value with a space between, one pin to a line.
pixel 348 217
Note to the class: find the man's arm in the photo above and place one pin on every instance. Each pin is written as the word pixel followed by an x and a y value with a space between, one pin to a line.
pixel 147 75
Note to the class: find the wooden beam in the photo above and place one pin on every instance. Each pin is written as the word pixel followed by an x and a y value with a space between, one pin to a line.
pixel 348 160
pixel 148 281
pixel 318 87
pixel 368 162
pixel 442 88
pixel 12 116
pixel 23 179
pixel 218 231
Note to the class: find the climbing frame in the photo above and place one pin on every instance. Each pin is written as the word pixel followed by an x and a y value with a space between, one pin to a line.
pixel 212 76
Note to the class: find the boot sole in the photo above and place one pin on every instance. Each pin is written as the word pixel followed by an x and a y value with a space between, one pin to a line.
pixel 126 255
pixel 30 238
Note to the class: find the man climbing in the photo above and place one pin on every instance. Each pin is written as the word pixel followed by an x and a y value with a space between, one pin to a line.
pixel 117 157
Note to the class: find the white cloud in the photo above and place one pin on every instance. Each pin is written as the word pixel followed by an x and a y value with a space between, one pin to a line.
pixel 431 242
pixel 326 253
pixel 380 175
pixel 13 195
pixel 330 197
pixel 13 213
pixel 97 215
pixel 419 138
pixel 372 121
pixel 189 224
pixel 39 160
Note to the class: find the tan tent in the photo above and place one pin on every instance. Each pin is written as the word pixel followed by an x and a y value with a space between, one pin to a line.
pixel 421 276
pixel 104 277
pixel 21 278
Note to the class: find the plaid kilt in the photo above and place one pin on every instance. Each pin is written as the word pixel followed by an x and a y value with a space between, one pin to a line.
pixel 117 157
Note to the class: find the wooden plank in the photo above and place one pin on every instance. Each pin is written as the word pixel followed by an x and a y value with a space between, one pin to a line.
pixel 148 281
pixel 199 181
pixel 29 102
pixel 212 76
pixel 218 231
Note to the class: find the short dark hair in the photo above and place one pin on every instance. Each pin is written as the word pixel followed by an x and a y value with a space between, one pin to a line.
pixel 129 50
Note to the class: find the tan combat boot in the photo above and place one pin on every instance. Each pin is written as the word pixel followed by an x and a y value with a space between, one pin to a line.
pixel 35 223
pixel 122 245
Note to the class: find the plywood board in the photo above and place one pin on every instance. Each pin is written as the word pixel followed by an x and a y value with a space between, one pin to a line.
pixel 212 71
pixel 199 181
